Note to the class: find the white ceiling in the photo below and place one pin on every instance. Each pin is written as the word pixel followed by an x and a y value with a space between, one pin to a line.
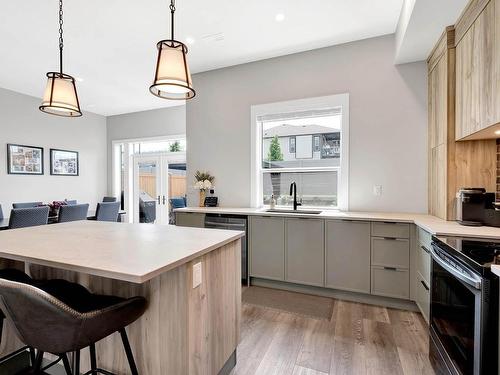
pixel 111 44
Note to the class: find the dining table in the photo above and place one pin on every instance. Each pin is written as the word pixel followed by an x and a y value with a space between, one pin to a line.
pixel 4 223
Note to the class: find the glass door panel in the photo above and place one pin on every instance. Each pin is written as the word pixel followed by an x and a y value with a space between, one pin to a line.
pixel 147 190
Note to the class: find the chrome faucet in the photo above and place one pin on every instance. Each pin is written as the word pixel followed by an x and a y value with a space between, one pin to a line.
pixel 293 191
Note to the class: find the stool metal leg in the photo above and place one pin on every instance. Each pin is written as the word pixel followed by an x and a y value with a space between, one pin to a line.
pixel 76 362
pixel 67 366
pixel 128 351
pixel 93 359
pixel 38 362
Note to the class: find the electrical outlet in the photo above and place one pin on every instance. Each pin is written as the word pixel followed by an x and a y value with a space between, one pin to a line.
pixel 197 274
pixel 377 190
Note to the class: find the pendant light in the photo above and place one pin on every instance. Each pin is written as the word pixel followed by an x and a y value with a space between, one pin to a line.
pixel 60 97
pixel 172 77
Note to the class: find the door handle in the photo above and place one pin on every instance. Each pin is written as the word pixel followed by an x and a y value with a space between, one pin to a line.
pixel 164 200
pixel 159 199
pixel 424 285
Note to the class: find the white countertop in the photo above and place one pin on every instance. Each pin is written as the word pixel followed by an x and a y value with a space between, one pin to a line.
pixel 128 252
pixel 431 224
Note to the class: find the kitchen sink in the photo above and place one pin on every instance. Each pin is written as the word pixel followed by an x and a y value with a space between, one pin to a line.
pixel 300 212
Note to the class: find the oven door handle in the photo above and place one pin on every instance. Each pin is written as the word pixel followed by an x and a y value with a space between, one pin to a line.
pixel 474 282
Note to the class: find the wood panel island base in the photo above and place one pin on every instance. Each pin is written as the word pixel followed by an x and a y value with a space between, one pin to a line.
pixel 185 329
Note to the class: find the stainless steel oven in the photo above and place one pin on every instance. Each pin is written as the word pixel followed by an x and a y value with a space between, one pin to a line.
pixel 464 309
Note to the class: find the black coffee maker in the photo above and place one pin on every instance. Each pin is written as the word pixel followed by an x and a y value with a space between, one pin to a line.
pixel 475 207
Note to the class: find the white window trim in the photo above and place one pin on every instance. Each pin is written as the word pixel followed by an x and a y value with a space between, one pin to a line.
pixel 331 101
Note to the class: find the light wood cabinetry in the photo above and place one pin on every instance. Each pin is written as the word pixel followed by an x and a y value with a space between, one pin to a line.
pixel 452 164
pixel 478 70
pixel 348 255
pixel 190 219
pixel 305 251
pixel 267 247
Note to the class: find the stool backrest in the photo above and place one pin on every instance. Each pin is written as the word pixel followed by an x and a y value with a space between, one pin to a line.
pixel 73 212
pixel 40 320
pixel 107 211
pixel 28 217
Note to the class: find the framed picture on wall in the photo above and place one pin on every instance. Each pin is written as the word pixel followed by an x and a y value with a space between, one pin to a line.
pixel 64 162
pixel 22 159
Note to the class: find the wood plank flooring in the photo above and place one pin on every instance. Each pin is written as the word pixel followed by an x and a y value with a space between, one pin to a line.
pixel 358 339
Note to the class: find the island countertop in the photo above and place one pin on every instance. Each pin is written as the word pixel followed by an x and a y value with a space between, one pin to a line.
pixel 128 252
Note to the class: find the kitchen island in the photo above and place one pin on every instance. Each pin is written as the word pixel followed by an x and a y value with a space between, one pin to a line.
pixel 187 328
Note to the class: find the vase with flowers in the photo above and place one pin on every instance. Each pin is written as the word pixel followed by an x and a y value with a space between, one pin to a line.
pixel 204 182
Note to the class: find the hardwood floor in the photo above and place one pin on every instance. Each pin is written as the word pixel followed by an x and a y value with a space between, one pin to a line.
pixel 358 339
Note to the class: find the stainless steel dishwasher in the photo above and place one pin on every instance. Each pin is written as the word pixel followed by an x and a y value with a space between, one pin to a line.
pixel 232 222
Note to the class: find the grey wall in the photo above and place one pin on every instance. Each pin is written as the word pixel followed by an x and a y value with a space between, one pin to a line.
pixel 154 123
pixel 21 122
pixel 388 120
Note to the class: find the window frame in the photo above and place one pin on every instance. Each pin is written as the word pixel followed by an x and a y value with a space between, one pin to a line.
pixel 290 139
pixel 324 102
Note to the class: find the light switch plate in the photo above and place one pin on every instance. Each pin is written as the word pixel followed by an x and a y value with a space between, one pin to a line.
pixel 196 274
pixel 377 190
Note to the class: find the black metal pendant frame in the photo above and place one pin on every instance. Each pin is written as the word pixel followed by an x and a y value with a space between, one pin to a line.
pixel 63 111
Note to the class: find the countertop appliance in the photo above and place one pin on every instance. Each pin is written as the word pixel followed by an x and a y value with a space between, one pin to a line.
pixel 464 305
pixel 471 203
pixel 232 222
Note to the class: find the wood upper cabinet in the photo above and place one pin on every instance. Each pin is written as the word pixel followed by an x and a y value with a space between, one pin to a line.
pixel 478 70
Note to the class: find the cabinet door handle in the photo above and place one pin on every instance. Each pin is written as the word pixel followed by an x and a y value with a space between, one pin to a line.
pixel 164 200
pixel 425 249
pixel 424 285
pixel 159 199
pixel 390 268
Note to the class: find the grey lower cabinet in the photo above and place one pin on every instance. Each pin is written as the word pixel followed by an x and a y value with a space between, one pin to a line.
pixel 348 255
pixel 190 219
pixel 267 247
pixel 305 251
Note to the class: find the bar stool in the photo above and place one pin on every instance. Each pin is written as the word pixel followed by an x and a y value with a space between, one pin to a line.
pixel 60 317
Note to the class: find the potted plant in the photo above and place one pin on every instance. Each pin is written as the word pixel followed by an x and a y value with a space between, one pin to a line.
pixel 204 182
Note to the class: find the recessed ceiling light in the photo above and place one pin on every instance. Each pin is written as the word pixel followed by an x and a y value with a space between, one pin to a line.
pixel 279 17
pixel 497 132
pixel 190 40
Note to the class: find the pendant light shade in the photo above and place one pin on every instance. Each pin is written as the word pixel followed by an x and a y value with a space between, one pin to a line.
pixel 60 97
pixel 172 77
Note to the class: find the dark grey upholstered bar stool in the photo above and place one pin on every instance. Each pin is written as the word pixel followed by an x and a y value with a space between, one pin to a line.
pixel 73 212
pixel 26 204
pixel 60 317
pixel 28 217
pixel 107 211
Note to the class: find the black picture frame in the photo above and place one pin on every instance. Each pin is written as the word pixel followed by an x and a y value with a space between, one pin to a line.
pixel 64 170
pixel 17 166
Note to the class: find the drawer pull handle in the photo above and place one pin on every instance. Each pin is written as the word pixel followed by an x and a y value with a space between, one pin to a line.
pixel 389 222
pixel 390 268
pixel 390 238
pixel 425 249
pixel 424 285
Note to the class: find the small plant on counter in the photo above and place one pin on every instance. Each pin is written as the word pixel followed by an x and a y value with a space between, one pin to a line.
pixel 204 182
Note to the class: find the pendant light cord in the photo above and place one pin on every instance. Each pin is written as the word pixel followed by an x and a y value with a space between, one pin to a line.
pixel 61 42
pixel 172 11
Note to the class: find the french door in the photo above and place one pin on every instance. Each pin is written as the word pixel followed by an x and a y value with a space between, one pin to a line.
pixel 151 186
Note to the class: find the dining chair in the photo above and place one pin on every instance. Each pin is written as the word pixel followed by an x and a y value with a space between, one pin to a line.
pixel 28 217
pixel 26 204
pixel 73 212
pixel 109 199
pixel 71 201
pixel 107 211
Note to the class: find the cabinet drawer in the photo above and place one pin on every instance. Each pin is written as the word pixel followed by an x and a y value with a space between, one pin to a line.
pixel 424 262
pixel 390 282
pixel 392 230
pixel 423 297
pixel 424 237
pixel 391 252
